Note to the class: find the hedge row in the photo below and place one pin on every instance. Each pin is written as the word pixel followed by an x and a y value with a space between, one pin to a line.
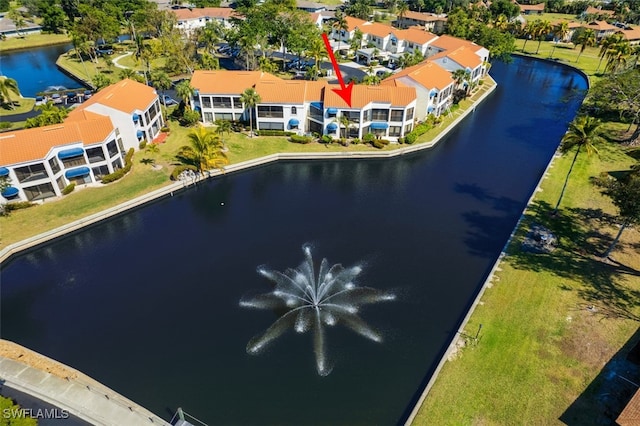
pixel 118 174
pixel 19 205
pixel 418 131
pixel 300 139
pixel 273 133
pixel 179 169
pixel 69 188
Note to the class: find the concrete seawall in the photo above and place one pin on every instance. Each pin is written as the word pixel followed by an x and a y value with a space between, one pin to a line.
pixel 168 190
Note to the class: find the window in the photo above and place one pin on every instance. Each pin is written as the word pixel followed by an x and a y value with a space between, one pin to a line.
pixel 121 146
pixel 208 117
pixel 100 171
pixel 270 111
pixel 206 101
pixel 409 114
pixel 61 184
pixel 31 173
pixel 112 149
pixel 74 161
pixel 365 130
pixel 408 128
pixel 395 131
pixel 316 113
pixel 116 164
pixel 95 155
pixel 265 125
pixel 353 116
pixel 294 111
pixel 55 167
pixel 396 115
pixel 80 180
pixel 380 114
pixel 221 102
pixel 314 127
pixel 39 192
pixel 366 115
pixel 224 116
pixel 353 132
pixel 237 104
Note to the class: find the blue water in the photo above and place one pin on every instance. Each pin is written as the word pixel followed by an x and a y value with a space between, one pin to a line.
pixel 35 70
pixel 148 302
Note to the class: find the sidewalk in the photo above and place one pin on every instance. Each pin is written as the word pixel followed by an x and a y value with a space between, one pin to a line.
pixel 80 396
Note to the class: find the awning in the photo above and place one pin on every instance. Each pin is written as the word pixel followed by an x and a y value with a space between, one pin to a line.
pixel 432 93
pixel 11 191
pixel 332 126
pixel 430 108
pixel 4 171
pixel 379 126
pixel 70 153
pixel 80 171
pixel 294 122
pixel 316 105
pixel 135 117
pixel 140 134
pixel 332 111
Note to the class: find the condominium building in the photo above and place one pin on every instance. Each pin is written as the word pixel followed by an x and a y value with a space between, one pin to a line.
pixel 191 19
pixel 90 143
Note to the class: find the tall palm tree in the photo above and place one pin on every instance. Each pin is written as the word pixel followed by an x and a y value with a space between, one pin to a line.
pixel 340 25
pixel 7 87
pixel 160 80
pixel 529 31
pixel 402 9
pixel 184 91
pixel 584 132
pixel 222 127
pixel 501 23
pixel 560 31
pixel 542 30
pixel 606 44
pixel 617 56
pixel 130 74
pixel 250 98
pixel 204 150
pixel 317 51
pixel 586 39
pixel 460 76
pixel 343 120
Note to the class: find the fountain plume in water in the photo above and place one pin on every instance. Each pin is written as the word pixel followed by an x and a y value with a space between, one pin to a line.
pixel 312 302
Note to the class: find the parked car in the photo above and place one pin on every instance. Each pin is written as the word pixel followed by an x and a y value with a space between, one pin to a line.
pixel 168 100
pixel 104 50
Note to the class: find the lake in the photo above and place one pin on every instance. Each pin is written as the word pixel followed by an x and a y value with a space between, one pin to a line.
pixel 148 302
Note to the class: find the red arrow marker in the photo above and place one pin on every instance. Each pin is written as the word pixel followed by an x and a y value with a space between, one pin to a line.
pixel 344 91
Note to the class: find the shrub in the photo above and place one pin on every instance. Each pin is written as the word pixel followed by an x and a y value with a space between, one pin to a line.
pixel 356 141
pixel 118 174
pixel 300 139
pixel 326 139
pixel 401 139
pixel 142 144
pixel 18 205
pixel 273 133
pixel 5 125
pixel 179 169
pixel 369 138
pixel 410 138
pixel 165 128
pixel 190 118
pixel 343 142
pixel 69 188
pixel 378 144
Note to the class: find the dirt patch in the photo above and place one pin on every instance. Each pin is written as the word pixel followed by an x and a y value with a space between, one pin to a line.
pixel 33 359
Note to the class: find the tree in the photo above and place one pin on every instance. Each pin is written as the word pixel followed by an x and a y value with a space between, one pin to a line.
pixel 204 150
pixel 402 9
pixel 344 123
pixel 160 80
pixel 585 38
pixel 100 81
pixel 458 24
pixel 316 49
pixel 529 31
pixel 250 98
pixel 49 114
pixel 53 17
pixel 606 44
pixel 222 127
pixel 617 56
pixel 504 7
pixel 340 25
pixel 361 9
pixel 560 31
pixel 7 87
pixel 130 74
pixel 184 91
pixel 625 194
pixel 584 132
pixel 17 18
pixel 542 29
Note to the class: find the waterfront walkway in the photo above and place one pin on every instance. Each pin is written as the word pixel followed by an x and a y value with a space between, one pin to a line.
pixel 70 390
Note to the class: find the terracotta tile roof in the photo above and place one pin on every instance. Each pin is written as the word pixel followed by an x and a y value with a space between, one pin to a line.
pixel 228 82
pixel 427 73
pixel 424 17
pixel 379 30
pixel 34 144
pixel 415 35
pixel 601 26
pixel 534 7
pixel 595 11
pixel 290 91
pixel 464 57
pixel 363 95
pixel 632 34
pixel 447 42
pixel 126 96
pixel 205 12
pixel 353 23
pixel 630 416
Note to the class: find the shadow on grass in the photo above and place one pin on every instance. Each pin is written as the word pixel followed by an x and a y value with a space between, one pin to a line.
pixel 607 395
pixel 577 258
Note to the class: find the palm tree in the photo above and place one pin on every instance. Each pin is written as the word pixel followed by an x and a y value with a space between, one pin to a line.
pixel 222 127
pixel 501 23
pixel 560 31
pixel 606 44
pixel 343 121
pixel 160 80
pixel 529 31
pixel 617 56
pixel 402 9
pixel 8 86
pixel 340 25
pixel 460 76
pixel 625 194
pixel 317 51
pixel 204 150
pixel 184 91
pixel 586 39
pixel 542 30
pixel 585 132
pixel 130 74
pixel 250 98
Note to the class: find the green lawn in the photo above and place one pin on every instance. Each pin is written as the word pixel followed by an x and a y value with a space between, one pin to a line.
pixel 33 40
pixel 551 17
pixel 24 105
pixel 588 61
pixel 539 346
